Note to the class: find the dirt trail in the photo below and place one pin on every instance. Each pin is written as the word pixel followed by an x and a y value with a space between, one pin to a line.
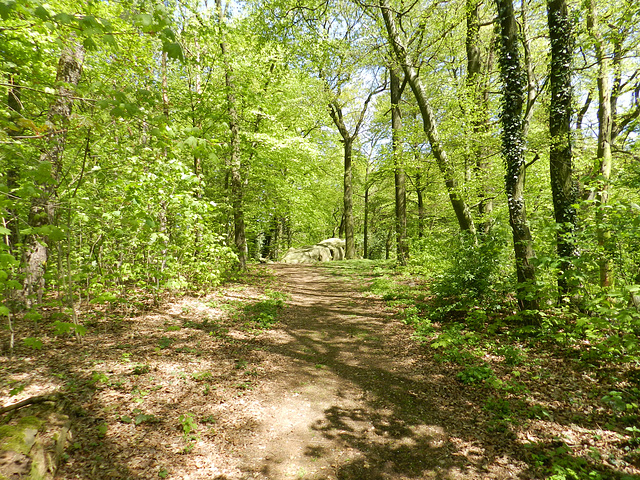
pixel 337 389
pixel 350 400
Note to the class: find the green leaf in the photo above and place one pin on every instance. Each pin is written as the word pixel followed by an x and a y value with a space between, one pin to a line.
pixel 143 418
pixel 143 20
pixel 174 50
pixel 5 8
pixel 64 18
pixel 16 390
pixel 41 13
pixel 110 40
pixel 89 23
pixel 4 310
pixel 56 234
pixel 33 343
pixel 4 231
pixel 89 43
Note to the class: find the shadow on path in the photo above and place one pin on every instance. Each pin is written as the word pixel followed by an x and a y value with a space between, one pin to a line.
pixel 369 410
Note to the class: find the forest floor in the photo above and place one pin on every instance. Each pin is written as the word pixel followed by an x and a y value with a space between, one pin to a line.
pixel 300 373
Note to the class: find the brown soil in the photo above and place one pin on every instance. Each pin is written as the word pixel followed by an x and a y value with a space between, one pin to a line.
pixel 337 389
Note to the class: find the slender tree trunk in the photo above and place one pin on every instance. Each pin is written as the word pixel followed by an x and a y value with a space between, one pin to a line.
pixel 350 248
pixel 421 211
pixel 513 142
pixel 335 110
pixel 165 87
pixel 14 103
pixel 478 113
pixel 235 163
pixel 560 156
pixel 366 212
pixel 402 251
pixel 43 208
pixel 428 120
pixel 604 159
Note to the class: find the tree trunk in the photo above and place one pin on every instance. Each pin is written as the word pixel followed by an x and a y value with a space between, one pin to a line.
pixel 335 110
pixel 366 213
pixel 478 113
pixel 560 155
pixel 421 211
pixel 465 221
pixel 235 164
pixel 350 248
pixel 399 174
pixel 604 159
pixel 44 207
pixel 513 142
pixel 13 172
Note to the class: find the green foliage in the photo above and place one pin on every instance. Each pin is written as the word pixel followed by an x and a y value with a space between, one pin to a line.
pixel 475 374
pixel 264 313
pixel 33 343
pixel 475 270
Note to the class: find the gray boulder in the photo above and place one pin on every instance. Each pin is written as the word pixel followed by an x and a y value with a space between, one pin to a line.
pixel 327 250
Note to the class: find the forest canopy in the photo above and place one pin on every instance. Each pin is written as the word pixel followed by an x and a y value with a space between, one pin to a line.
pixel 491 146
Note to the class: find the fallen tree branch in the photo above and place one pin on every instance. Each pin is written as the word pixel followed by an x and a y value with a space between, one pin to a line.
pixel 30 401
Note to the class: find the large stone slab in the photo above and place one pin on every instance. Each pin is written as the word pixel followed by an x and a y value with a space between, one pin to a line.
pixel 31 445
pixel 327 250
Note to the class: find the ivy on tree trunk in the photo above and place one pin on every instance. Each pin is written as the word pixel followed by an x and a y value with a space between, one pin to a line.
pixel 513 145
pixel 560 155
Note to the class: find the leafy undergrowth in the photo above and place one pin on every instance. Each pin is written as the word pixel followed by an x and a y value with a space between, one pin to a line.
pixel 147 385
pixel 567 394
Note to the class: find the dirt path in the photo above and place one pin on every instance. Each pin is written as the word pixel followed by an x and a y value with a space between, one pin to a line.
pixel 337 389
pixel 350 400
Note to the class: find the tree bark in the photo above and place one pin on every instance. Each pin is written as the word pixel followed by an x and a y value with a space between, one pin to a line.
pixel 366 213
pixel 402 250
pixel 421 210
pixel 14 103
pixel 44 207
pixel 460 208
pixel 478 113
pixel 513 142
pixel 235 162
pixel 560 155
pixel 350 247
pixel 604 159
pixel 335 111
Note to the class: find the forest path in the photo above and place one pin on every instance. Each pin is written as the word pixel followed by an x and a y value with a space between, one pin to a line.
pixel 197 388
pixel 350 399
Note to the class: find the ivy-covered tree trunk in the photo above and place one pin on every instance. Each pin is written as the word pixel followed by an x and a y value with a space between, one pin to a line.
pixel 604 159
pixel 428 120
pixel 560 156
pixel 44 207
pixel 402 250
pixel 513 143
